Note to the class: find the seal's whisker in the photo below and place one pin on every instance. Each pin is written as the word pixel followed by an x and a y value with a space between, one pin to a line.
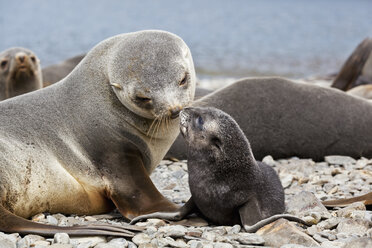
pixel 162 124
pixel 148 131
pixel 167 119
pixel 158 126
pixel 154 128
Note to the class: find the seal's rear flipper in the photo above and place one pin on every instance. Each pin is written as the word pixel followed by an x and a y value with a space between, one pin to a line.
pixel 251 218
pixel 366 199
pixel 12 223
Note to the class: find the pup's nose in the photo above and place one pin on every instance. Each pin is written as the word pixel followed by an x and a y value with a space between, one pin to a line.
pixel 175 112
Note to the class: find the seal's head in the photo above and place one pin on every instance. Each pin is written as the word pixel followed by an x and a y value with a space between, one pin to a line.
pixel 20 72
pixel 153 74
pixel 213 133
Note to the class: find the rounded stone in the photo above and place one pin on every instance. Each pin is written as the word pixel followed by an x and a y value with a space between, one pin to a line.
pixel 61 238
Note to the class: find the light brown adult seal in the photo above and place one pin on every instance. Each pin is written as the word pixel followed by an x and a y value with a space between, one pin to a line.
pixel 19 72
pixel 88 143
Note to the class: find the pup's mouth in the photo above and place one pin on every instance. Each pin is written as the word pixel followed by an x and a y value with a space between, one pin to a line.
pixel 183 123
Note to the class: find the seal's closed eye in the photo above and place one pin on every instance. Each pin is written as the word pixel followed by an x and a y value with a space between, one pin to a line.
pixel 142 99
pixel 183 81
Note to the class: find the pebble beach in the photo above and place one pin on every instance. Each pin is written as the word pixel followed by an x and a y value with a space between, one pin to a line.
pixel 306 183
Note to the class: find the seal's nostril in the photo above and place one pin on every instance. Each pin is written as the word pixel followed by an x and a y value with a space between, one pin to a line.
pixel 175 113
pixel 21 58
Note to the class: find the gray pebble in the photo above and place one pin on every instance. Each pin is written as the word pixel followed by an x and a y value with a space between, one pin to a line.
pixel 234 230
pixel 350 226
pixel 131 245
pixel 61 238
pixel 28 240
pixel 6 243
pixel 141 238
pixel 195 244
pixel 209 236
pixel 51 220
pixel 175 231
pixel 250 239
pixel 222 245
pixel 341 160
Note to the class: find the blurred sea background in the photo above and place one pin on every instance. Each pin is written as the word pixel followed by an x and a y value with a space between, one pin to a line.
pixel 228 39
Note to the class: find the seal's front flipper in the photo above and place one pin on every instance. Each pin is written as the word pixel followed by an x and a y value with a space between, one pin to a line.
pixel 250 212
pixel 179 214
pixel 12 223
pixel 366 199
pixel 138 195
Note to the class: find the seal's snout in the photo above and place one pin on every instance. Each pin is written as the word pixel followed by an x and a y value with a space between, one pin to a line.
pixel 175 111
pixel 21 57
pixel 183 122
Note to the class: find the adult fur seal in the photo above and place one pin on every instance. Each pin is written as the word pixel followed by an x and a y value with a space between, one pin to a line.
pixel 227 184
pixel 56 72
pixel 285 119
pixel 89 142
pixel 19 72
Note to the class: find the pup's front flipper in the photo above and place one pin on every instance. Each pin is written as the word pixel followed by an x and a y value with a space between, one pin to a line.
pixel 179 214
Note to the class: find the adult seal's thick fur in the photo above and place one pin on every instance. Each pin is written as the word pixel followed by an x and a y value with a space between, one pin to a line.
pixel 285 119
pixel 56 72
pixel 88 143
pixel 227 184
pixel 19 72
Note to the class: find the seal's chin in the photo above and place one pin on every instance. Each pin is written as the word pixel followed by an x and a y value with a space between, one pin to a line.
pixel 183 123
pixel 183 130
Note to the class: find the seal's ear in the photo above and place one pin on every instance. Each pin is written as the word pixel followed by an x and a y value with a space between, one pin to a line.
pixel 216 142
pixel 117 86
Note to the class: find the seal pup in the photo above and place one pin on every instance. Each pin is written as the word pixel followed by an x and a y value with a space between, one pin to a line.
pixel 228 186
pixel 285 119
pixel 56 72
pixel 88 143
pixel 19 72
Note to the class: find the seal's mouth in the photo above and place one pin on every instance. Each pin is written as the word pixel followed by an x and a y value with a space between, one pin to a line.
pixel 183 123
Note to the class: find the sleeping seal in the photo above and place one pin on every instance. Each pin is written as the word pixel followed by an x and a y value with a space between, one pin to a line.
pixel 285 119
pixel 228 186
pixel 88 143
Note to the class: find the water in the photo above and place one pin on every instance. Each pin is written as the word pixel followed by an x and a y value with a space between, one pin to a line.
pixel 294 38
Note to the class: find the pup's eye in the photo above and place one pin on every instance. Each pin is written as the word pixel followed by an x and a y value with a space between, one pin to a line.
pixel 183 81
pixel 199 122
pixel 4 63
pixel 143 99
pixel 33 59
